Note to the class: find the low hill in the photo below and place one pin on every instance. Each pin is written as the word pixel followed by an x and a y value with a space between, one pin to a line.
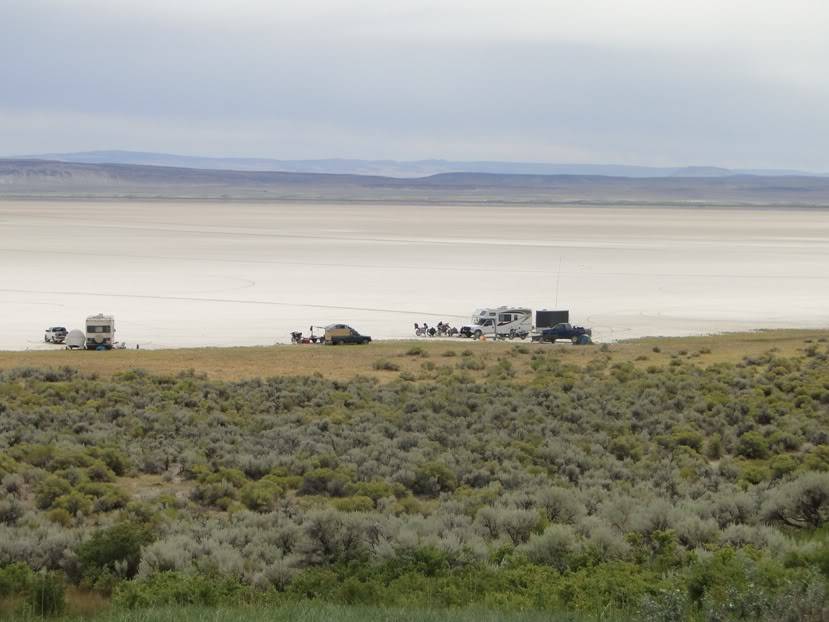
pixel 398 168
pixel 42 178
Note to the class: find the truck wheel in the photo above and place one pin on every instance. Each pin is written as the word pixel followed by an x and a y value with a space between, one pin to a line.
pixel 478 335
pixel 575 340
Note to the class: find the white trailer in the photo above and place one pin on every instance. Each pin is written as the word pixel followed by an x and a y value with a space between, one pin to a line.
pixel 499 322
pixel 100 332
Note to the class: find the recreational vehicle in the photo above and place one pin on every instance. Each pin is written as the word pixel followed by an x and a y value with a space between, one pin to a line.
pixel 499 322
pixel 100 332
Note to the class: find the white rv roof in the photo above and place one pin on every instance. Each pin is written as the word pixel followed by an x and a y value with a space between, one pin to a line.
pixel 493 310
pixel 100 316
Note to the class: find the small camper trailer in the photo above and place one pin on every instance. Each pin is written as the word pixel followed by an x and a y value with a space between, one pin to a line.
pixel 100 332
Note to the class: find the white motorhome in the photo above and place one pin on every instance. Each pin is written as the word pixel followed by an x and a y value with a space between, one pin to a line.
pixel 500 322
pixel 100 332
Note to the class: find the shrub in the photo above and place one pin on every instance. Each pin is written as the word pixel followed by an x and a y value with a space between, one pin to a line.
pixel 473 364
pixel 15 579
pixel 332 536
pixel 171 588
pixel 49 490
pixel 11 511
pixel 324 481
pixel 416 351
pixel 518 524
pixel 8 465
pixel 803 502
pixel 610 587
pixel 688 438
pixel 561 505
pixel 752 445
pixel 12 484
pixel 353 504
pixel 113 458
pixel 386 365
pixel 116 550
pixel 100 472
pixel 219 494
pixel 783 465
pixel 625 447
pixel 555 547
pixel 262 495
pixel 47 594
pixel 59 516
pixel 433 478
pixel 74 503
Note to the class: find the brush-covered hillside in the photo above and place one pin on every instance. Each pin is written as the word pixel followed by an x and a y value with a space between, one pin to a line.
pixel 609 489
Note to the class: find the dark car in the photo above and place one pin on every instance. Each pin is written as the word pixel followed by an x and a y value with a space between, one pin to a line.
pixel 336 334
pixel 579 335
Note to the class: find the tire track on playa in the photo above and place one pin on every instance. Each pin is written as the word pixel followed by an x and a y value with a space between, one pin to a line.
pixel 475 269
pixel 273 303
pixel 640 245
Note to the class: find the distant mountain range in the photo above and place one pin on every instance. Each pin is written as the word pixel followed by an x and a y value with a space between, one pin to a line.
pixel 45 178
pixel 394 168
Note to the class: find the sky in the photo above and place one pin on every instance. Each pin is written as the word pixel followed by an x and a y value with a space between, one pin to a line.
pixel 733 83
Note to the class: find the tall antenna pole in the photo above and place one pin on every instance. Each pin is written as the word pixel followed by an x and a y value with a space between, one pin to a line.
pixel 558 278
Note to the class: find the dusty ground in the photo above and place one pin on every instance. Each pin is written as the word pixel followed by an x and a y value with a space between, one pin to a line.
pixel 193 274
pixel 342 362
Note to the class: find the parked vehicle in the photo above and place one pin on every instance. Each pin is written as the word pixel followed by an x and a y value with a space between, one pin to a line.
pixel 578 335
pixel 55 334
pixel 441 329
pixel 336 334
pixel 503 322
pixel 298 337
pixel 100 332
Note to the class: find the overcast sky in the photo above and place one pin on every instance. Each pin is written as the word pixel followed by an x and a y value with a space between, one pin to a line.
pixel 740 83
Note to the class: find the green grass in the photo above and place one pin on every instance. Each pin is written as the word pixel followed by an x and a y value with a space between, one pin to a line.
pixel 312 612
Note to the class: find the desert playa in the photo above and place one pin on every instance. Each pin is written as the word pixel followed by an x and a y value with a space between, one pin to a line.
pixel 241 273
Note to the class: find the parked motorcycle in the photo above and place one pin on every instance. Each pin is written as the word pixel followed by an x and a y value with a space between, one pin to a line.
pixel 442 329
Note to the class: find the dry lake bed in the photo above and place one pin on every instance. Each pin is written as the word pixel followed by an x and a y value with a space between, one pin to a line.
pixel 241 273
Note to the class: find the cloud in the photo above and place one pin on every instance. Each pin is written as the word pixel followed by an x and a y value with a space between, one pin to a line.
pixel 736 83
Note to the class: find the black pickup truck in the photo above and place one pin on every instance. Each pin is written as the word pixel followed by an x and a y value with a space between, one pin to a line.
pixel 336 334
pixel 577 334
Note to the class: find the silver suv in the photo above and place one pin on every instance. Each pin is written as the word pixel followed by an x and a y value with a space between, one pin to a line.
pixel 55 334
